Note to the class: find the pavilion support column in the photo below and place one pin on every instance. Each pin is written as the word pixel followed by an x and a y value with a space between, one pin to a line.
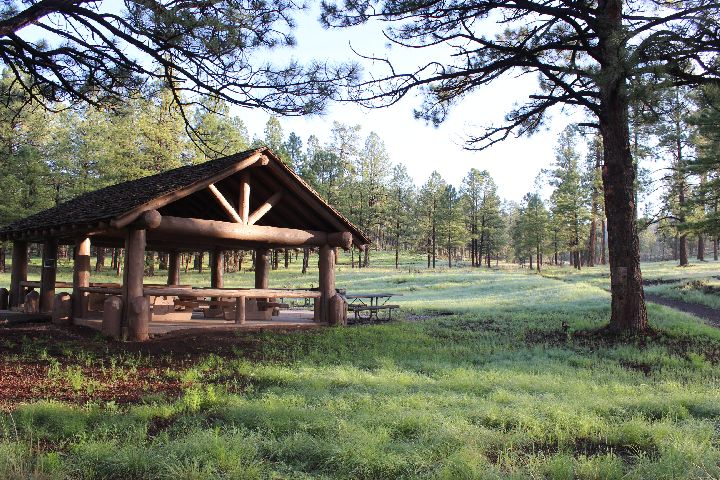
pixel 18 273
pixel 262 268
pixel 48 275
pixel 173 268
pixel 81 276
pixel 135 318
pixel 216 268
pixel 326 265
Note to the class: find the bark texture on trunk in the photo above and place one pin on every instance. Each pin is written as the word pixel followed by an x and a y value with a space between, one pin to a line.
pixel 701 248
pixel 618 175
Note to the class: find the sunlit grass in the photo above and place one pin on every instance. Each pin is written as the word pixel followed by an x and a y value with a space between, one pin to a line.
pixel 478 381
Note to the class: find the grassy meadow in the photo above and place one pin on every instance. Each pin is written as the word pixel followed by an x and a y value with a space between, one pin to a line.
pixel 476 380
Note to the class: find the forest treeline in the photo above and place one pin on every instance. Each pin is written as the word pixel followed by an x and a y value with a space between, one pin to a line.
pixel 48 157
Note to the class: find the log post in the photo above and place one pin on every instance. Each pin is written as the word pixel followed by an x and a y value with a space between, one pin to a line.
pixel 174 268
pixel 262 268
pixel 133 280
pixel 337 310
pixel 240 310
pixel 4 298
pixel 112 317
pixel 216 269
pixel 139 319
pixel 19 273
pixel 48 274
pixel 62 309
pixel 81 277
pixel 32 302
pixel 326 265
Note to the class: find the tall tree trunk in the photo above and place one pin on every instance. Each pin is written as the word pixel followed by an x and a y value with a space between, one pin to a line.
pixel 683 250
pixel 99 259
pixel 306 259
pixel 434 240
pixel 2 257
pixel 531 265
pixel 429 254
pixel 119 263
pixel 449 250
pixel 397 244
pixel 683 246
pixel 715 249
pixel 287 258
pixel 603 247
pixel 701 248
pixel 591 243
pixel 628 299
pixel 150 264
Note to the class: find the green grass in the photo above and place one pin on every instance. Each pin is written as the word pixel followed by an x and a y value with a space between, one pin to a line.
pixel 478 381
pixel 693 283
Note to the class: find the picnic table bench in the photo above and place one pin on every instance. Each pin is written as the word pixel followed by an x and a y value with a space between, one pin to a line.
pixel 366 306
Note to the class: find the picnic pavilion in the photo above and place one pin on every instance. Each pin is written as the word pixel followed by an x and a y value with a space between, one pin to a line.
pixel 247 201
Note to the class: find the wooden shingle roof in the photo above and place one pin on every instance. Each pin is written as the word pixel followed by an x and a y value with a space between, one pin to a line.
pixel 107 205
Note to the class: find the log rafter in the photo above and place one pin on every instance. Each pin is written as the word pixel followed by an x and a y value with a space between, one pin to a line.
pixel 226 206
pixel 264 208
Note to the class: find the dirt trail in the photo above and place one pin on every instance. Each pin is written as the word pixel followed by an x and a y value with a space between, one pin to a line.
pixel 711 315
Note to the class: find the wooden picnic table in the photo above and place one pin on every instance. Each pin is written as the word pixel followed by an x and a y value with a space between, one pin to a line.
pixel 370 304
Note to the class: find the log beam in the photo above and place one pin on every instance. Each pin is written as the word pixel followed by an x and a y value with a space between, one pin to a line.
pixel 48 274
pixel 271 236
pixel 264 208
pixel 226 206
pixel 225 292
pixel 81 276
pixel 18 273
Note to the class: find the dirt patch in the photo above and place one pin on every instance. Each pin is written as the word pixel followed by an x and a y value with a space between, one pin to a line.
pixel 711 315
pixel 158 425
pixel 547 337
pixel 22 382
pixel 585 447
pixel 659 281
pixel 604 338
pixel 644 368
pixel 76 365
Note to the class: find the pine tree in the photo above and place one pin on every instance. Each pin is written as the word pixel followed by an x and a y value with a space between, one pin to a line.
pixel 216 133
pixel 429 215
pixel 706 165
pixel 532 230
pixel 675 137
pixel 570 198
pixel 401 201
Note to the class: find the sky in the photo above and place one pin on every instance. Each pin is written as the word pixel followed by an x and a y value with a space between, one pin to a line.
pixel 514 163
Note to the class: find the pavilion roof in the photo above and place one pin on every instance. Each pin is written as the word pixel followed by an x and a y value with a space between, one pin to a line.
pixel 183 191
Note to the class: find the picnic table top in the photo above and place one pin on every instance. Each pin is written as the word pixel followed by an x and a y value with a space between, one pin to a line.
pixel 373 295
